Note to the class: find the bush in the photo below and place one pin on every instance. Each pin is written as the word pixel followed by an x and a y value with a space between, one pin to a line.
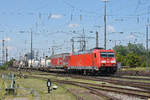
pixel 132 60
pixel 133 55
pixel 121 59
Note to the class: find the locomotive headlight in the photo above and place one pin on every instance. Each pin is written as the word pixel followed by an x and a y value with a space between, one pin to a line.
pixel 103 61
pixel 113 61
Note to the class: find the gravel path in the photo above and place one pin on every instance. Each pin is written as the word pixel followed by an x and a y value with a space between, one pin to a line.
pixel 19 98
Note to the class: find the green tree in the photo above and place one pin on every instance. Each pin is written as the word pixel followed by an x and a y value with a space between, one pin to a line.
pixel 138 49
pixel 122 50
pixel 10 63
pixel 121 59
pixel 7 64
pixel 132 60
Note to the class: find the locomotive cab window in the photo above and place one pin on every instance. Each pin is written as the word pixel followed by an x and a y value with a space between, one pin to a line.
pixel 110 54
pixel 95 55
pixel 106 54
pixel 103 54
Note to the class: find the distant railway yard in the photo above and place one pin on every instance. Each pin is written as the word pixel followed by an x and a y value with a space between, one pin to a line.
pixel 31 85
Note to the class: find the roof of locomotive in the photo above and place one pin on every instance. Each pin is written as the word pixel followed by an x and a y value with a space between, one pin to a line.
pixel 97 50
pixel 92 50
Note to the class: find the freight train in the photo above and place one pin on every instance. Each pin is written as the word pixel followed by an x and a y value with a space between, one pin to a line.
pixel 89 61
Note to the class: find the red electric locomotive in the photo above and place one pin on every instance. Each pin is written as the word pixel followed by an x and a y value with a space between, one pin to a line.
pixel 95 60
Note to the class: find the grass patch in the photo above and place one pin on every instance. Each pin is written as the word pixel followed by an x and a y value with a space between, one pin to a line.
pixel 40 87
pixel 2 88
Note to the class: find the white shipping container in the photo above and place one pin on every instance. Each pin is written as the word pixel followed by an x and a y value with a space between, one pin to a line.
pixel 42 63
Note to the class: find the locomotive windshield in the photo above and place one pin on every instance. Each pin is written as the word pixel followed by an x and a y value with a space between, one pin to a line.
pixel 106 54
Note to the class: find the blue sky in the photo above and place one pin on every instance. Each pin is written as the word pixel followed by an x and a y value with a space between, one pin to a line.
pixel 52 22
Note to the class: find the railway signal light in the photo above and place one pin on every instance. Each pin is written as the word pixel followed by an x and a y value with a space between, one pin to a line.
pixel 48 85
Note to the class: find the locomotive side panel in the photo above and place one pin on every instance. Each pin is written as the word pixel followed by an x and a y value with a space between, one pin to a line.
pixel 81 61
pixel 98 60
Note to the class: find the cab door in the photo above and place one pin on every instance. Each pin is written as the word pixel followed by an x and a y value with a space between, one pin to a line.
pixel 95 59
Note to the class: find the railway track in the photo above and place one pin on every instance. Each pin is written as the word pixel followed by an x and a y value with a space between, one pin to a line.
pixel 131 78
pixel 144 92
pixel 91 89
pixel 112 80
pixel 146 86
pixel 141 85
pixel 95 88
pixel 113 76
pixel 102 76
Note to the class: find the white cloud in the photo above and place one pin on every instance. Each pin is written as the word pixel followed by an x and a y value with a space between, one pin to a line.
pixel 56 16
pixel 73 25
pixel 6 39
pixel 111 28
